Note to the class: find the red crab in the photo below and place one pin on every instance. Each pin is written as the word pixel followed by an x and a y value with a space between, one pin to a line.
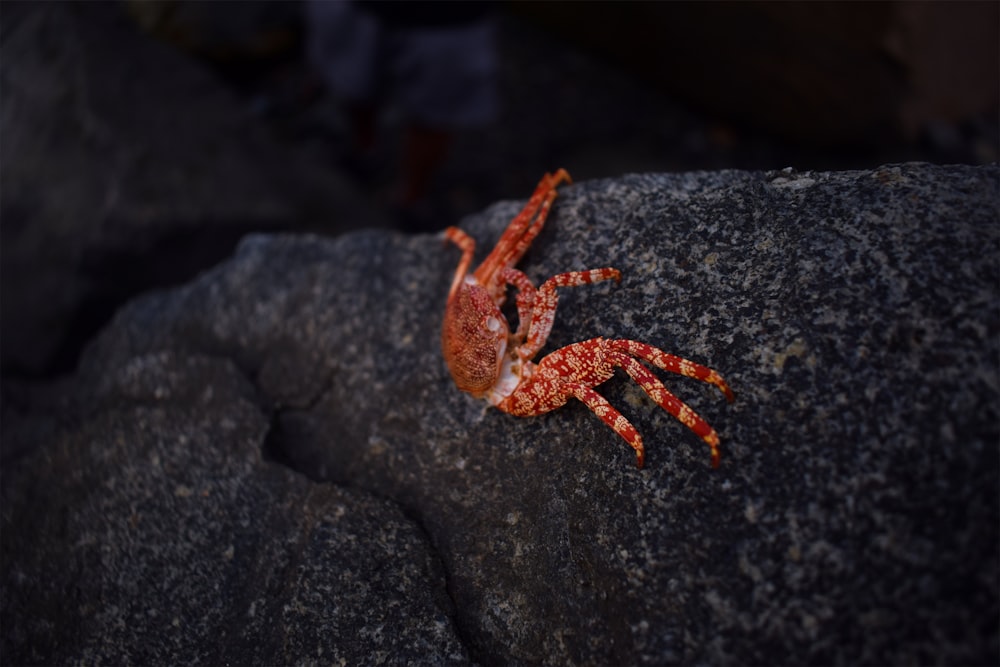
pixel 489 362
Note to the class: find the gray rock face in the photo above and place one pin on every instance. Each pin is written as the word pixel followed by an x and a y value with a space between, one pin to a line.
pixel 854 518
pixel 164 538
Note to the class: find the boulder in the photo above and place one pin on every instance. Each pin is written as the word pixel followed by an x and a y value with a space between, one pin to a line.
pixel 164 538
pixel 271 463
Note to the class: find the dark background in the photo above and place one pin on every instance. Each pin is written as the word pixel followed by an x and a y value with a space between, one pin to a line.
pixel 608 88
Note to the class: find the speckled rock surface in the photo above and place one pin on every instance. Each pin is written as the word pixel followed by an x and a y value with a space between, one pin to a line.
pixel 854 518
pixel 157 535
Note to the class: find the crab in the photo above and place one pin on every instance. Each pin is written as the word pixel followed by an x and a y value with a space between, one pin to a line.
pixel 491 363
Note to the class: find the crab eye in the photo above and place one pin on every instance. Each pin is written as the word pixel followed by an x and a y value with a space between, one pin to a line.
pixel 493 324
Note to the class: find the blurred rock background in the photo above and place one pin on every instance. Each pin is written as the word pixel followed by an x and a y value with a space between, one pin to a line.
pixel 608 88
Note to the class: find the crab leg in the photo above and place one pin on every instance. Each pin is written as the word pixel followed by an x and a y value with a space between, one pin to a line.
pixel 666 400
pixel 547 299
pixel 610 416
pixel 543 213
pixel 525 300
pixel 575 369
pixel 674 364
pixel 536 308
pixel 523 229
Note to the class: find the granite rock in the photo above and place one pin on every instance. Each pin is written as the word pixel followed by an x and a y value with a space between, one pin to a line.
pixel 854 518
pixel 157 535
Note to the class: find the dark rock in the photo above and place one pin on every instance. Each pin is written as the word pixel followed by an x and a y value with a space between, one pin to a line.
pixel 157 535
pixel 127 166
pixel 854 518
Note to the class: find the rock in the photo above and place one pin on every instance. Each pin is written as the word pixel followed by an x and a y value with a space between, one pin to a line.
pixel 127 166
pixel 162 537
pixel 854 517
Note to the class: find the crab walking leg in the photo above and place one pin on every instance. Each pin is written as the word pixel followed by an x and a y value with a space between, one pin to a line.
pixel 666 400
pixel 523 229
pixel 674 364
pixel 546 300
pixel 503 253
pixel 518 237
pixel 468 246
pixel 525 300
pixel 610 416
pixel 543 213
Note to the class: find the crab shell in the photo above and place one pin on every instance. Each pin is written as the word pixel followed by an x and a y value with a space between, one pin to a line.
pixel 474 338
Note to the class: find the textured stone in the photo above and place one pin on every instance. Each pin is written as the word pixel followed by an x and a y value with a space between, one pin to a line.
pixel 854 518
pixel 150 532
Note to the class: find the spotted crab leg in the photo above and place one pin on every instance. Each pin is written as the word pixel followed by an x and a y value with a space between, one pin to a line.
pixel 574 370
pixel 663 397
pixel 525 301
pixel 675 364
pixel 522 230
pixel 546 300
pixel 536 308
pixel 610 416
